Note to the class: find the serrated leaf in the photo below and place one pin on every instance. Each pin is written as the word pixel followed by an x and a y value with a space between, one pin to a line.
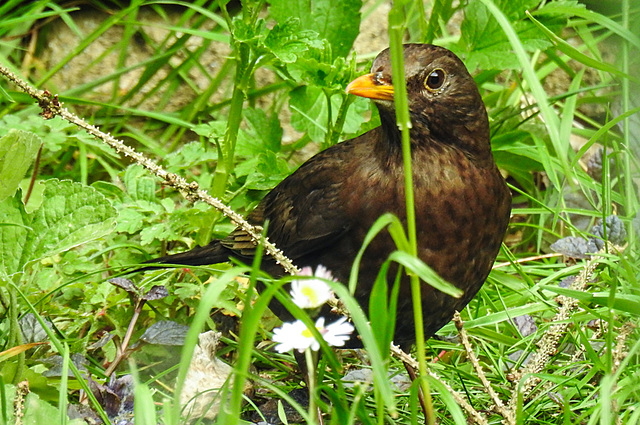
pixel 287 40
pixel 130 220
pixel 14 228
pixel 483 43
pixel 193 153
pixel 263 172
pixel 139 183
pixel 31 328
pixel 71 214
pixel 310 111
pixel 18 149
pixel 155 293
pixel 264 129
pixel 125 284
pixel 337 21
pixel 55 364
pixel 160 231
pixel 165 333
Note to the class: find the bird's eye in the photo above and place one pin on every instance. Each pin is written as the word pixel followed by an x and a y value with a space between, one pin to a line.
pixel 435 79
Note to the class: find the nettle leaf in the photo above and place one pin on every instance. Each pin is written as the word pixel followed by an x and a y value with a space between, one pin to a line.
pixel 310 112
pixel 165 332
pixel 249 34
pixel 337 21
pixel 263 172
pixel 140 185
pixel 159 231
pixel 130 220
pixel 125 284
pixel 264 129
pixel 318 69
pixel 14 228
pixel 287 40
pixel 18 149
pixel 191 155
pixel 483 43
pixel 70 214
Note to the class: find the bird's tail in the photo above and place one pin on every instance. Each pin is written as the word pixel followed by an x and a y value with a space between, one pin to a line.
pixel 198 256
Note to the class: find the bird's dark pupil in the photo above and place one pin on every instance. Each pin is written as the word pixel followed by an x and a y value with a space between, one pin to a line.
pixel 435 79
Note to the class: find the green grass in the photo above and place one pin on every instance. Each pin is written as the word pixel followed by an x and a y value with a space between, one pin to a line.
pixel 218 120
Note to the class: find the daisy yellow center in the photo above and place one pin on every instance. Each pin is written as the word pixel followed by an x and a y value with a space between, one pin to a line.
pixel 307 333
pixel 310 294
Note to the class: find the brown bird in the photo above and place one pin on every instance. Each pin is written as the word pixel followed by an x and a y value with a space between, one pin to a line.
pixel 321 213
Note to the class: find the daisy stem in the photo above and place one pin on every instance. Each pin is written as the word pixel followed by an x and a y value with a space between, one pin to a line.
pixel 310 356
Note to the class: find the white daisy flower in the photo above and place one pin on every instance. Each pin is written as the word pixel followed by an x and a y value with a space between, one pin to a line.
pixel 311 293
pixel 295 335
pixel 338 332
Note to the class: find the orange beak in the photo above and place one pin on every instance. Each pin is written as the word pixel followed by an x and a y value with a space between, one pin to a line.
pixel 371 86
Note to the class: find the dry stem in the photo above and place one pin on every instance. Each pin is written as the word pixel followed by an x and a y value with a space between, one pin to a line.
pixel 191 191
pixel 473 413
pixel 507 414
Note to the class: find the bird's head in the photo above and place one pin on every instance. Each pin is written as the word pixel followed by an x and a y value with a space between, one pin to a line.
pixel 444 102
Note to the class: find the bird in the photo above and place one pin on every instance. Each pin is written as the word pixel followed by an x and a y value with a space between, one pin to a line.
pixel 320 214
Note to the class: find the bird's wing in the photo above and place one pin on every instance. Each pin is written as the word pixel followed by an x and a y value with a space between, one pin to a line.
pixel 303 213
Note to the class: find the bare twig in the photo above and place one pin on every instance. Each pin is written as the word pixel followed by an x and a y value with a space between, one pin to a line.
pixel 191 191
pixel 507 414
pixel 473 413
pixel 526 260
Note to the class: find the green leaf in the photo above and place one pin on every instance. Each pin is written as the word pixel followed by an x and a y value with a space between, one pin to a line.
pixel 18 149
pixel 286 40
pixel 337 21
pixel 71 214
pixel 628 303
pixel 425 273
pixel 140 185
pixel 14 228
pixel 574 8
pixel 263 172
pixel 192 154
pixel 310 112
pixel 483 43
pixel 574 53
pixel 37 411
pixel 264 129
pixel 383 309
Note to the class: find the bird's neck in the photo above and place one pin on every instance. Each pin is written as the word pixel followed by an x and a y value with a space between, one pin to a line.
pixel 472 140
pixel 388 123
